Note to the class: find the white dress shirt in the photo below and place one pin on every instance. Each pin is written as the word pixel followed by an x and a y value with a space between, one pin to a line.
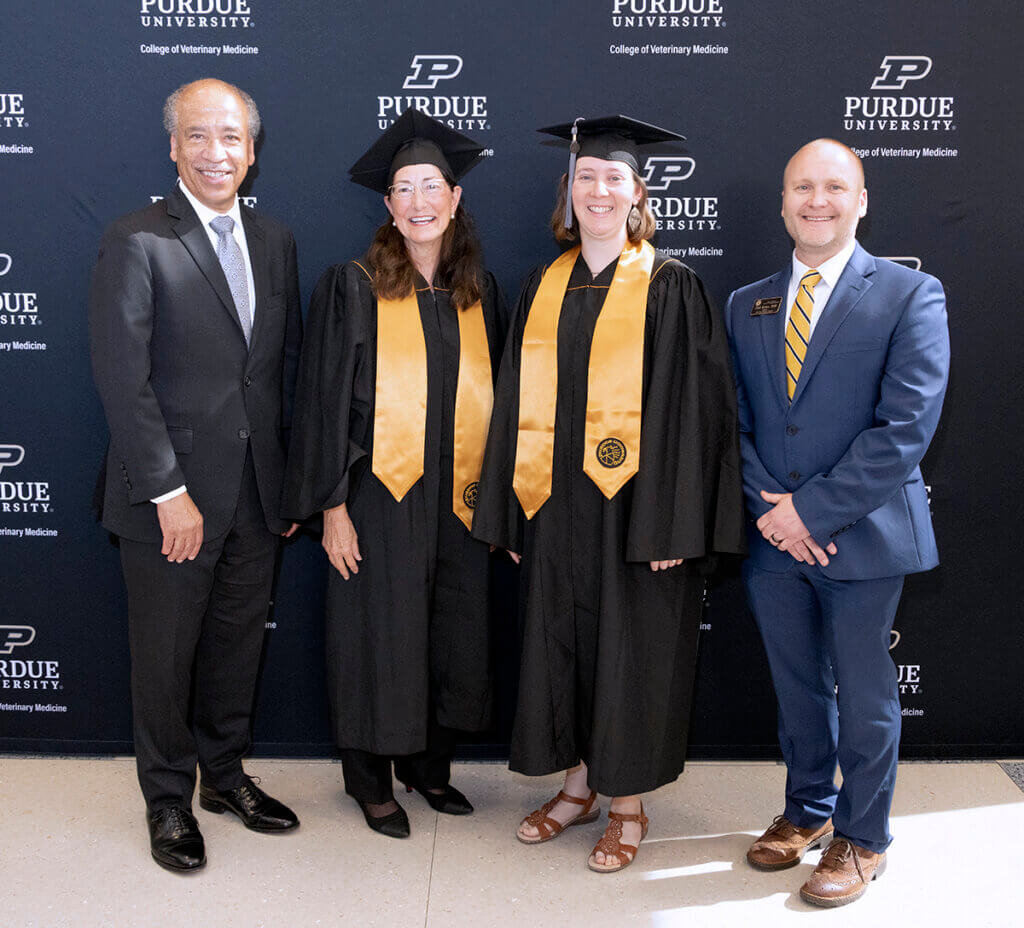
pixel 830 271
pixel 206 215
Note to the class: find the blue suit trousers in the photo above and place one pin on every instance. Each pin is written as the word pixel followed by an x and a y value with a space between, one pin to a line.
pixel 827 643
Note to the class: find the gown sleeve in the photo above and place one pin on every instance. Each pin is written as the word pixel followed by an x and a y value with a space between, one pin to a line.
pixel 688 495
pixel 498 516
pixel 329 425
pixel 496 314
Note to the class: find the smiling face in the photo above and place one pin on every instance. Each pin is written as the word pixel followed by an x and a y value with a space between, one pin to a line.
pixel 823 198
pixel 603 193
pixel 211 143
pixel 422 217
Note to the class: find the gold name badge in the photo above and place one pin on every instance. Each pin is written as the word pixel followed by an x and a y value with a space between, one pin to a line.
pixel 767 307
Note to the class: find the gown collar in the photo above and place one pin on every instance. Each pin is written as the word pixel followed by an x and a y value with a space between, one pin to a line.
pixel 581 276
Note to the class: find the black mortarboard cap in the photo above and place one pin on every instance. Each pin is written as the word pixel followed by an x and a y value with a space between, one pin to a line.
pixel 414 138
pixel 611 138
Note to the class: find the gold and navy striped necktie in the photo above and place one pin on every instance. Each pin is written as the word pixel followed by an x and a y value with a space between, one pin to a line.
pixel 798 330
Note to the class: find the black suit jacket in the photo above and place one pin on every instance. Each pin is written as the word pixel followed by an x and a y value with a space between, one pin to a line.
pixel 184 396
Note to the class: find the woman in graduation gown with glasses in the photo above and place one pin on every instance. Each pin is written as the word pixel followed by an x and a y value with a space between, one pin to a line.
pixel 612 468
pixel 393 404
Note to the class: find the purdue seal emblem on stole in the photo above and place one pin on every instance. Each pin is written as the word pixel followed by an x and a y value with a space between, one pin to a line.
pixel 611 453
pixel 470 494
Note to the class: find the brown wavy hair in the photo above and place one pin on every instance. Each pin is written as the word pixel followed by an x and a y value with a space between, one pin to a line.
pixel 460 270
pixel 648 224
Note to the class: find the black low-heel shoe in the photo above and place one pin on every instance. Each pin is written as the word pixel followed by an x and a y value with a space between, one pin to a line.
pixel 450 802
pixel 394 824
pixel 175 839
pixel 254 807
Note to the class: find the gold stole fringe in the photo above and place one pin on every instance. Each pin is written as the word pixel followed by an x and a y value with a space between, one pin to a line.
pixel 615 380
pixel 400 404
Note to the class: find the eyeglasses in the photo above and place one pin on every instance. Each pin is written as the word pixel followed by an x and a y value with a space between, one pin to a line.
pixel 432 187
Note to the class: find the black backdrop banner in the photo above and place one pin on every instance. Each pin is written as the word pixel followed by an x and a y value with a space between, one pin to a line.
pixel 932 113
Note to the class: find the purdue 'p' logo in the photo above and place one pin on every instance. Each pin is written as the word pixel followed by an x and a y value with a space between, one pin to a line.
pixel 611 453
pixel 896 70
pixel 15 636
pixel 427 70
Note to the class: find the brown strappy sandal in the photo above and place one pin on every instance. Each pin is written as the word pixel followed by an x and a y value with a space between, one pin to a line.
pixel 551 828
pixel 611 843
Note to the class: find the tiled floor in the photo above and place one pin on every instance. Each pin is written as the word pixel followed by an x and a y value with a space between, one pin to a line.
pixel 74 852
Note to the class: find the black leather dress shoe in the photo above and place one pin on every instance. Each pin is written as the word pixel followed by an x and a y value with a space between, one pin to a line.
pixel 450 802
pixel 394 824
pixel 174 839
pixel 254 807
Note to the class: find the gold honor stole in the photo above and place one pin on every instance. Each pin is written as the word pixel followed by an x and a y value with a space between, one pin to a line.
pixel 400 404
pixel 614 380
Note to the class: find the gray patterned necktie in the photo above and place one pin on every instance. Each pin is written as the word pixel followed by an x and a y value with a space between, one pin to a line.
pixel 230 256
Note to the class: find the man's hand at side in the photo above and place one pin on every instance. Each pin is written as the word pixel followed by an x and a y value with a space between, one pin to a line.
pixel 182 526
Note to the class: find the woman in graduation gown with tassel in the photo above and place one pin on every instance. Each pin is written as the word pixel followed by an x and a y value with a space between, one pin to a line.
pixel 612 468
pixel 394 399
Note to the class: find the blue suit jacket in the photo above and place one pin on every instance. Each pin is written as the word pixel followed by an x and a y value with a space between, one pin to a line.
pixel 864 411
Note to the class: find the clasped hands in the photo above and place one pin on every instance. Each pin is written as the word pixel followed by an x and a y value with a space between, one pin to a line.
pixel 783 528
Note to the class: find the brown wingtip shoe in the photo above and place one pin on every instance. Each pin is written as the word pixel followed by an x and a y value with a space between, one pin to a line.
pixel 783 845
pixel 843 874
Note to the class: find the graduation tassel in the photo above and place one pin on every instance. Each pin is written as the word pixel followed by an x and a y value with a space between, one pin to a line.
pixel 574 147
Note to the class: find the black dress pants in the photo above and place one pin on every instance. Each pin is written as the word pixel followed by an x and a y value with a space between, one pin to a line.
pixel 368 776
pixel 196 633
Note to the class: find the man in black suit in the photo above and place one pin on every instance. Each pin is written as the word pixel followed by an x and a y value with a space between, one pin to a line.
pixel 195 332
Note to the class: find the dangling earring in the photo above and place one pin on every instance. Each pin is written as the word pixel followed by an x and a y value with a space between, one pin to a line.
pixel 633 220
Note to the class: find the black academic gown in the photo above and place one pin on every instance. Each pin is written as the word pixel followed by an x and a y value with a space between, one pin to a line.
pixel 408 635
pixel 610 647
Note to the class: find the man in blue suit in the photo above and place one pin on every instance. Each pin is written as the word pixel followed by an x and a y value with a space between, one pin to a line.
pixel 841 364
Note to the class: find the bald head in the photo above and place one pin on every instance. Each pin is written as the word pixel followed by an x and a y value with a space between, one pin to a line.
pixel 204 87
pixel 832 150
pixel 823 199
pixel 211 142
